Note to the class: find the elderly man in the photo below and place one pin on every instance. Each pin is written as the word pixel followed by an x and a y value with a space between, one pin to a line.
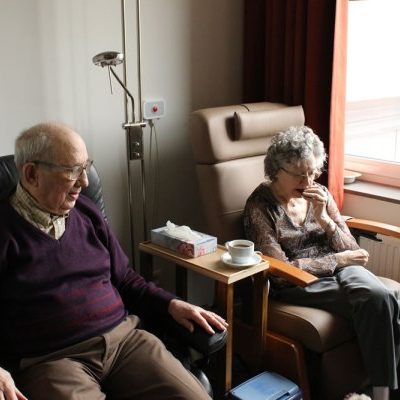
pixel 68 298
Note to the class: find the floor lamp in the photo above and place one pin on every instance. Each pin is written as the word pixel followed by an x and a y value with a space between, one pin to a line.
pixel 133 127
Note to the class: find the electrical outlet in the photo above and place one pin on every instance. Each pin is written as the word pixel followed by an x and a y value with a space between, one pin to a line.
pixel 153 109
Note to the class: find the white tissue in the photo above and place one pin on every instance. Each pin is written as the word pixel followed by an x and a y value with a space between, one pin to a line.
pixel 182 232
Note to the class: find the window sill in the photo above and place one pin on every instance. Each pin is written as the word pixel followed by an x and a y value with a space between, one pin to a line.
pixel 374 190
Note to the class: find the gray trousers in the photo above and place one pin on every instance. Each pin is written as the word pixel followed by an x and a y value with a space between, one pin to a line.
pixel 358 295
pixel 124 364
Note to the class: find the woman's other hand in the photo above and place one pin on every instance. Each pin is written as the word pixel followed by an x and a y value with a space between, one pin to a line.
pixel 352 257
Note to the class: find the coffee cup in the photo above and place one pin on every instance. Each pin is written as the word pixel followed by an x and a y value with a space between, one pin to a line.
pixel 240 250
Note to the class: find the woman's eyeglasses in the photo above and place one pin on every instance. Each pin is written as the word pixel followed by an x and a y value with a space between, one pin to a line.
pixel 312 175
pixel 71 173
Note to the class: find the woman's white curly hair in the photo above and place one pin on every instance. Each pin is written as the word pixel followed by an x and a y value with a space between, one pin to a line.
pixel 294 144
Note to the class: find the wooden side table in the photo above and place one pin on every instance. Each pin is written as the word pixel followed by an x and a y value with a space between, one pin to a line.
pixel 210 265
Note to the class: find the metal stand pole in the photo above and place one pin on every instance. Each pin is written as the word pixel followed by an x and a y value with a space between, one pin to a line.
pixel 139 69
pixel 134 130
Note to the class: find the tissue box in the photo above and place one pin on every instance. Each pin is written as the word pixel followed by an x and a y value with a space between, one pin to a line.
pixel 194 248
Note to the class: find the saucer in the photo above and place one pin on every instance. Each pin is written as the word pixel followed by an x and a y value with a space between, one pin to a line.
pixel 253 260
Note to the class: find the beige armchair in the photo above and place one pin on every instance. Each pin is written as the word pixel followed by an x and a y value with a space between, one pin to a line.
pixel 315 348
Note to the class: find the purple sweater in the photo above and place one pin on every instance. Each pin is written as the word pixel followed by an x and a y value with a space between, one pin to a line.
pixel 54 293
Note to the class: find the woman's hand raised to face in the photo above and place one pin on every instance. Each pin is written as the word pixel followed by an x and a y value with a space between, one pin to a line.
pixel 318 197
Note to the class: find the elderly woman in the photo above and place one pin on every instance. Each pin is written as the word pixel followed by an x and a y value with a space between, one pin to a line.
pixel 295 219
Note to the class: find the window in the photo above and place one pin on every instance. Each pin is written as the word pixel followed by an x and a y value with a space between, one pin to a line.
pixel 372 144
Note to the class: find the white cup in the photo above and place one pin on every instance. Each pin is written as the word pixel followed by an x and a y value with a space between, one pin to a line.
pixel 240 250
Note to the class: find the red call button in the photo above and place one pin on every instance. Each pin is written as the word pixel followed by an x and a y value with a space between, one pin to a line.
pixel 154 109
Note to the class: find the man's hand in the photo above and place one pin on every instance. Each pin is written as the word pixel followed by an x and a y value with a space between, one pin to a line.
pixel 185 314
pixel 8 391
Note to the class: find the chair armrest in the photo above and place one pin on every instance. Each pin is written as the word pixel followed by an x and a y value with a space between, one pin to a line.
pixel 373 226
pixel 199 339
pixel 289 272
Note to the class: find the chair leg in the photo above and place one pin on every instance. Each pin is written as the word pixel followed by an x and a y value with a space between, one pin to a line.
pixel 286 356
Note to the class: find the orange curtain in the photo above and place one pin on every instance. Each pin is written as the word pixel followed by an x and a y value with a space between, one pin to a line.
pixel 295 53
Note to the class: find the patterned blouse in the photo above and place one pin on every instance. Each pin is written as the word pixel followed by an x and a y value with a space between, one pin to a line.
pixel 305 246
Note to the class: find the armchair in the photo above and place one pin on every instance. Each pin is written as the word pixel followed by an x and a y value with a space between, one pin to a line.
pixel 315 348
pixel 177 339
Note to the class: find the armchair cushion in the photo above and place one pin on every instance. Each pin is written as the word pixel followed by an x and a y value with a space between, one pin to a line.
pixel 256 124
pixel 229 202
pixel 213 133
pixel 317 329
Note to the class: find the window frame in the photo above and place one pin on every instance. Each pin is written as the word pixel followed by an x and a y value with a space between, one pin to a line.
pixel 376 171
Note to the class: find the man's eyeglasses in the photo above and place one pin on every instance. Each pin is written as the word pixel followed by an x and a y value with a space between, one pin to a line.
pixel 312 175
pixel 71 173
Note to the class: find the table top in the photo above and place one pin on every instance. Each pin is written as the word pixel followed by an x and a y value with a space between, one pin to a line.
pixel 209 265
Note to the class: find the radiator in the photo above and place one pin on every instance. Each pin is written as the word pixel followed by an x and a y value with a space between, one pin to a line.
pixel 384 257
